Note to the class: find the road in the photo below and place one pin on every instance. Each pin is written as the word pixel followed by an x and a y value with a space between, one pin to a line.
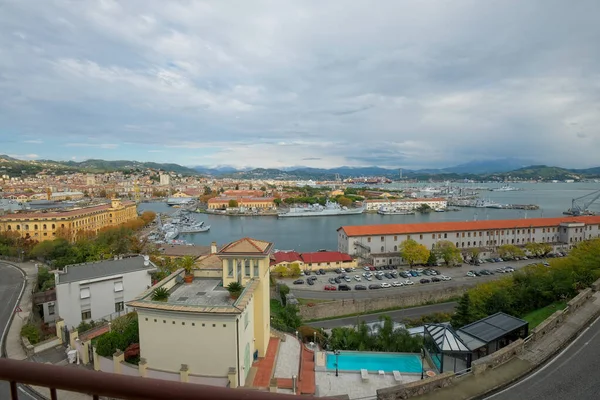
pixel 458 279
pixel 398 315
pixel 11 283
pixel 570 375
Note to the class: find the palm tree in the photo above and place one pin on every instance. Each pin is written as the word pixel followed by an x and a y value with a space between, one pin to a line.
pixel 160 294
pixel 235 289
pixel 187 263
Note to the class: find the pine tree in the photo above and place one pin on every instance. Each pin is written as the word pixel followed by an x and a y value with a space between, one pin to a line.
pixel 463 314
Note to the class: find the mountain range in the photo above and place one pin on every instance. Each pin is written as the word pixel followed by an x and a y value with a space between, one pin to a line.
pixel 500 169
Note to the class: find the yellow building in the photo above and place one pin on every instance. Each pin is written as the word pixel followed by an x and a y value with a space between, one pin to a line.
pixel 218 336
pixel 221 203
pixel 45 226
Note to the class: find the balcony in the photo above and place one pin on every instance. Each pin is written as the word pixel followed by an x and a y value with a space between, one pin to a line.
pixel 107 385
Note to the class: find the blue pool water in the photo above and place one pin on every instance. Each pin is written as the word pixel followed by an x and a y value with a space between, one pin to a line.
pixel 409 363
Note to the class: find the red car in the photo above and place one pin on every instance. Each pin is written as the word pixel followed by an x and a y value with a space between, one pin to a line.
pixel 330 287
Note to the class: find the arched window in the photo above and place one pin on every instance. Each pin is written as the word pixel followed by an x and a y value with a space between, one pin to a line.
pixel 44 226
pixel 395 248
pixel 35 227
pixel 53 226
pixel 18 227
pixel 382 249
pixel 26 227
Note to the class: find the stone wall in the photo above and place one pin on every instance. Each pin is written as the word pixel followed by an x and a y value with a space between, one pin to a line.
pixel 580 299
pixel 498 357
pixel 416 388
pixel 408 298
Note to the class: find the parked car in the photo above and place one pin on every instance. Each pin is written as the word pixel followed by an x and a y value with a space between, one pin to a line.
pixel 369 278
pixel 332 280
pixel 310 282
pixel 378 277
pixel 366 268
pixel 347 278
pixel 299 282
pixel 337 280
pixel 357 278
pixel 344 287
pixel 471 274
pixel 386 285
pixel 408 282
pixel 445 278
pixel 425 281
pixel 322 271
pixel 374 286
pixel 360 287
pixel 435 279
pixel 330 287
pixel 397 284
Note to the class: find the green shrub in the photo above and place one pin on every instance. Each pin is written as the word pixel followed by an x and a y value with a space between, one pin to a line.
pixel 31 332
pixel 160 294
pixel 125 333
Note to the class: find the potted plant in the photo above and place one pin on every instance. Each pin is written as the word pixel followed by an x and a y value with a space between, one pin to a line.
pixel 235 289
pixel 160 294
pixel 187 263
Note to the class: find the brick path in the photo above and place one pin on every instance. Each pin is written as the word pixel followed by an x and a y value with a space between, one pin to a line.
pixel 265 366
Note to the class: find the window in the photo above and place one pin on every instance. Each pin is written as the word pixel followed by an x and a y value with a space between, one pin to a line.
pixel 433 236
pixel 463 234
pixel 85 293
pixel 120 306
pixel 457 234
pixel 382 249
pixel 87 314
pixel 255 263
pixel 229 267
pixel 247 267
pixel 420 236
pixel 382 238
pixel 119 286
pixel 50 309
pixel 469 234
pixel 368 240
pixel 445 236
pixel 395 248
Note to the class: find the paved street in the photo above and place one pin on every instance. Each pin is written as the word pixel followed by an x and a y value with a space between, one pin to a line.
pixel 397 315
pixel 458 275
pixel 11 282
pixel 571 375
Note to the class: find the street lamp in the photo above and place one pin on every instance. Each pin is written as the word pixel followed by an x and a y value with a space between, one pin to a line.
pixel 422 361
pixel 337 354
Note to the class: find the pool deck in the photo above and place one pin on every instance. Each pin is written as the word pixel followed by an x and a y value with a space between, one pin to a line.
pixel 351 383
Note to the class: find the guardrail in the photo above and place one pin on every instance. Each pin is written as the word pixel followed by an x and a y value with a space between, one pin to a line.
pixel 116 386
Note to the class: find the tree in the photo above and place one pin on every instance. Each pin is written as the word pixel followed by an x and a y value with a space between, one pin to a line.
pixel 148 216
pixel 187 263
pixel 283 291
pixel 538 249
pixel 432 260
pixel 448 252
pixel 413 252
pixel 277 202
pixel 424 208
pixel 233 203
pixel 263 189
pixel 474 254
pixel 237 187
pixel 510 250
pixel 207 190
pixel 344 201
pixel 160 294
pixel 463 314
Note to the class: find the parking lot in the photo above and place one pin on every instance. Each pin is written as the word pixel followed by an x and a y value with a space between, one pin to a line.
pixel 455 276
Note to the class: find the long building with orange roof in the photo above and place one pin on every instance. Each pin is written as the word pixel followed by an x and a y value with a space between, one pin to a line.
pixel 380 244
pixel 49 225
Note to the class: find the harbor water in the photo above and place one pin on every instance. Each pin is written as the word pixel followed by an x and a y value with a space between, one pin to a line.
pixel 315 233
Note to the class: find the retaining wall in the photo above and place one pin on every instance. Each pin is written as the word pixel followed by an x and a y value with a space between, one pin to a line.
pixel 416 388
pixel 408 298
pixel 498 357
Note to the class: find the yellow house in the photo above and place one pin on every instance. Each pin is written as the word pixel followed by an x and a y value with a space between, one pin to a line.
pixel 336 192
pixel 217 336
pixel 222 202
pixel 45 226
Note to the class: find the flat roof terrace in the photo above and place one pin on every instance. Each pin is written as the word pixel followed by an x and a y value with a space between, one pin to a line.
pixel 200 292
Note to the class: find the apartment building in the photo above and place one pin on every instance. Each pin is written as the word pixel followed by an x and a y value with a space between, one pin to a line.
pixel 326 260
pixel 405 204
pixel 45 225
pixel 96 290
pixel 222 202
pixel 381 243
pixel 218 337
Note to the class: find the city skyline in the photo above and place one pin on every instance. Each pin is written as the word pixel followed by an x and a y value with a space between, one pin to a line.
pixel 404 84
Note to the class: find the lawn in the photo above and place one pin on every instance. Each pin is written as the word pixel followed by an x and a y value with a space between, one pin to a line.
pixel 538 316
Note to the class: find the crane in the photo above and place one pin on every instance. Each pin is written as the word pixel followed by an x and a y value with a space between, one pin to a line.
pixel 579 205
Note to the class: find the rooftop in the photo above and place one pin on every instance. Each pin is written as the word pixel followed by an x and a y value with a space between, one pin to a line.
pixel 176 250
pixel 247 246
pixel 63 214
pixel 100 269
pixel 201 292
pixel 446 339
pixel 430 227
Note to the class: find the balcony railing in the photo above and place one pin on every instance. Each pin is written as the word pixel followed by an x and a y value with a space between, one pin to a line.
pixel 107 385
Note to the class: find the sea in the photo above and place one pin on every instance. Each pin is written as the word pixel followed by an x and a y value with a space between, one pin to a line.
pixel 319 233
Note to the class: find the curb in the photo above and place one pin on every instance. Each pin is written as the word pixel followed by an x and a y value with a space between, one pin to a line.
pixel 32 392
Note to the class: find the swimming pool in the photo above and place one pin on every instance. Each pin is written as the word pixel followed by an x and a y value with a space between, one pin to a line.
pixel 388 362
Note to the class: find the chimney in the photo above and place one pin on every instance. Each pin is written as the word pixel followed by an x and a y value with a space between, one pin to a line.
pixel 213 248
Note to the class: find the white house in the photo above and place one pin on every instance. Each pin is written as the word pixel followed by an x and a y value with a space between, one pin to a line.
pixel 97 290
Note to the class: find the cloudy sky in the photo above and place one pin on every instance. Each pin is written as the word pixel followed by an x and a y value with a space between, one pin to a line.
pixel 319 83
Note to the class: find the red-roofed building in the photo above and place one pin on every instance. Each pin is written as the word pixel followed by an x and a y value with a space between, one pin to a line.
pixel 313 261
pixel 380 244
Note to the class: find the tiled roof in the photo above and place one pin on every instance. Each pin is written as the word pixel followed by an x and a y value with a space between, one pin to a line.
pixel 62 214
pixel 247 245
pixel 286 256
pixel 325 256
pixel 211 261
pixel 429 227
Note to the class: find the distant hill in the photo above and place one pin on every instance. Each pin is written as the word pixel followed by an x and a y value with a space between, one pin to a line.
pixel 94 165
pixel 487 167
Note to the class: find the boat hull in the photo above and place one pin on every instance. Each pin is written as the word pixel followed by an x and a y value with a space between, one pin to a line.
pixel 320 213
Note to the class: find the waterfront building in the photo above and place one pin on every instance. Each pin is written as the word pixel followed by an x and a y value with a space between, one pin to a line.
pixel 49 225
pixel 326 260
pixel 164 179
pixel 405 204
pixel 380 244
pixel 217 337
pixel 99 290
pixel 222 202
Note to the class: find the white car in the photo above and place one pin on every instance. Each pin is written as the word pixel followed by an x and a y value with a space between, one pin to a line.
pixel 350 269
pixel 385 285
pixel 397 284
pixel 445 278
pixel 343 270
pixel 408 282
pixel 470 274
pixel 357 278
pixel 366 268
pixel 368 277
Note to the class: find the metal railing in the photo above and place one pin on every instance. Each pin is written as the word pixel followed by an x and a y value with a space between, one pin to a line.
pixel 115 386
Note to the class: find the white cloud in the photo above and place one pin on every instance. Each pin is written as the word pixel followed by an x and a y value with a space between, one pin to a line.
pixel 412 83
pixel 34 141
